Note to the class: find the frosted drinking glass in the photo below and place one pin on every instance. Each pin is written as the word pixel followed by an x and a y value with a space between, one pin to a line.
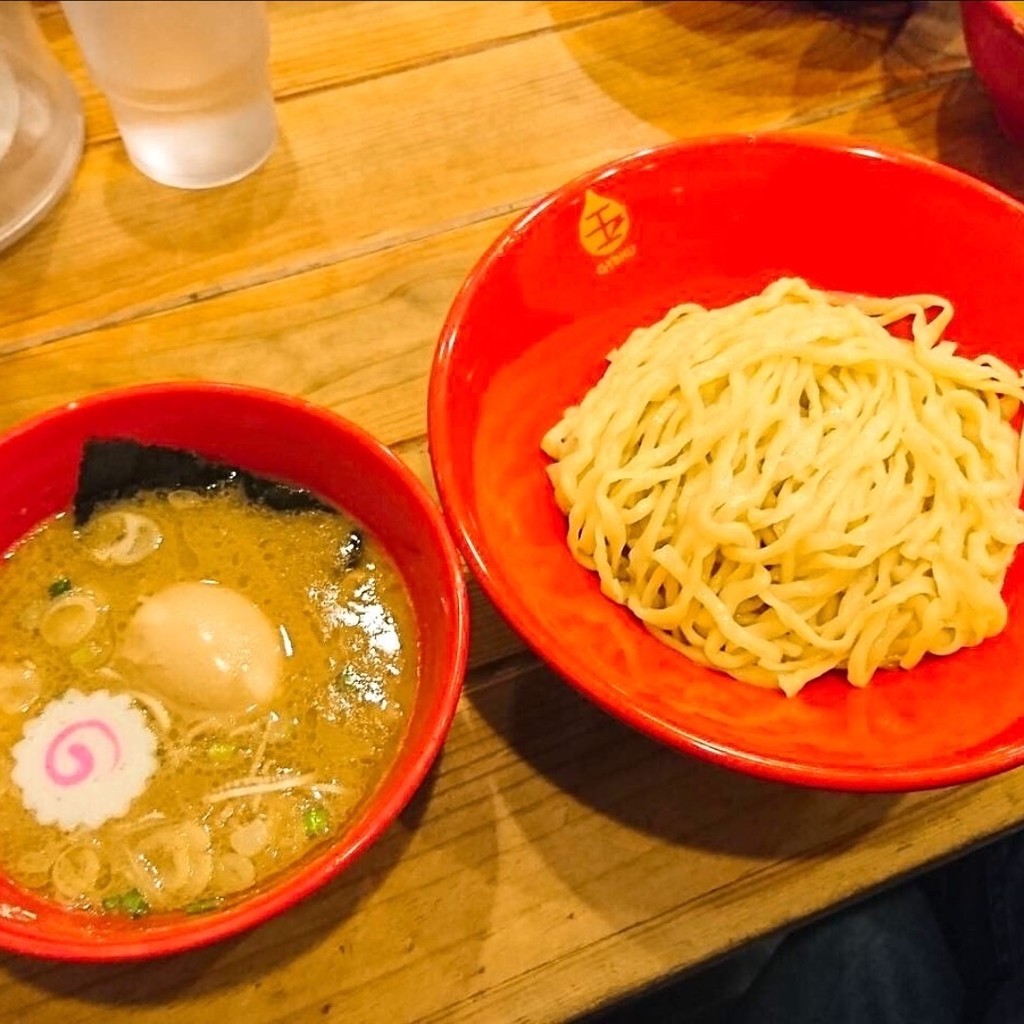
pixel 187 82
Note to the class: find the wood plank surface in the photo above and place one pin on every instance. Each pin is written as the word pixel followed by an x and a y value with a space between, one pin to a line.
pixel 555 860
pixel 356 162
pixel 538 870
pixel 317 45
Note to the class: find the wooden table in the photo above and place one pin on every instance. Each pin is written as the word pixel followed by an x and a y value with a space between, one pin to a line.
pixel 555 860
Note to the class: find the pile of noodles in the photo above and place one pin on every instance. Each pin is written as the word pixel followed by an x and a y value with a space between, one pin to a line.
pixel 780 487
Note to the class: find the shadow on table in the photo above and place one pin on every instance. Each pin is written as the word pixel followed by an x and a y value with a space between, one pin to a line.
pixel 655 790
pixel 965 135
pixel 693 69
pixel 175 223
pixel 26 264
pixel 659 795
pixel 248 959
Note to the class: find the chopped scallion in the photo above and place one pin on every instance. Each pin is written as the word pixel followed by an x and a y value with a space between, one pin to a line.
pixel 88 656
pixel 61 585
pixel 203 906
pixel 132 903
pixel 316 822
pixel 221 751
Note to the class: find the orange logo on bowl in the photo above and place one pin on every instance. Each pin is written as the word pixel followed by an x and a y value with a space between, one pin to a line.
pixel 604 229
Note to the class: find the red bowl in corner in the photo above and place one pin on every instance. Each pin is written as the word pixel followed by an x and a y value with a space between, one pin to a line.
pixel 713 221
pixel 299 443
pixel 994 33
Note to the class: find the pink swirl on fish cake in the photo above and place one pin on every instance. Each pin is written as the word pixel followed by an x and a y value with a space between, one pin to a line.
pixel 78 752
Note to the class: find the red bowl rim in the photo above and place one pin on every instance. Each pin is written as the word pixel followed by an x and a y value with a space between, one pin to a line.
pixel 445 438
pixel 1010 15
pixel 192 933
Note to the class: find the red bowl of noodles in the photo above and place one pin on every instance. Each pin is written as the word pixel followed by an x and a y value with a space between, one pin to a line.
pixel 714 221
pixel 283 439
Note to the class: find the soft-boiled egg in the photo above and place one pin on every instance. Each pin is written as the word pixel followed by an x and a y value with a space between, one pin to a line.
pixel 205 649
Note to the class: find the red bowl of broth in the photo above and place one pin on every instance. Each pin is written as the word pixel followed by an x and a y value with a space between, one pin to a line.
pixel 994 34
pixel 713 221
pixel 404 585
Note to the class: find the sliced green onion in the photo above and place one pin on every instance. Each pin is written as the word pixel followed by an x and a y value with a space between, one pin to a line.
pixel 69 619
pixel 90 655
pixel 135 903
pixel 316 822
pixel 221 751
pixel 203 906
pixel 132 903
pixel 61 585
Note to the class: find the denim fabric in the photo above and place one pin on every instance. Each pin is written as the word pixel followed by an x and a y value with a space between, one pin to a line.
pixel 884 961
pixel 979 901
pixel 946 949
pixel 1007 1006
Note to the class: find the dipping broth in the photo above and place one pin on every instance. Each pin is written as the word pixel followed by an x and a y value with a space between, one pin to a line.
pixel 195 692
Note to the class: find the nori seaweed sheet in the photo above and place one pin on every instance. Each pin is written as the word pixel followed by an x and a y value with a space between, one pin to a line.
pixel 113 468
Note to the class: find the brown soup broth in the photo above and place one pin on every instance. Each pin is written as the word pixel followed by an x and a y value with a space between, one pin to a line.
pixel 337 716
